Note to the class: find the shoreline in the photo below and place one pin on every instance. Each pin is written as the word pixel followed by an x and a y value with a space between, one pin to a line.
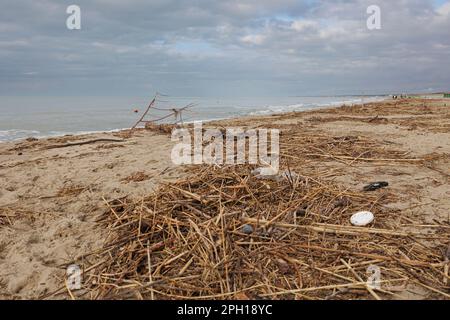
pixel 52 199
pixel 251 114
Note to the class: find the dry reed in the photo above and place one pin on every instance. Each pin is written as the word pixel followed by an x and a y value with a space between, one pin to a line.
pixel 186 241
pixel 222 233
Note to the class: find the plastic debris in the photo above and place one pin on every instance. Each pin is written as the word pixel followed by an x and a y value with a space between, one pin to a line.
pixel 376 185
pixel 271 174
pixel 267 174
pixel 362 219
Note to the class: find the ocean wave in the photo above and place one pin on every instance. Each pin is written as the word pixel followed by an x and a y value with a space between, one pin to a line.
pixel 16 134
pixel 304 107
pixel 278 109
pixel 19 134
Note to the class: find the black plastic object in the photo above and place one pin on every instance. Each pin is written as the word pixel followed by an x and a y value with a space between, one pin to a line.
pixel 376 185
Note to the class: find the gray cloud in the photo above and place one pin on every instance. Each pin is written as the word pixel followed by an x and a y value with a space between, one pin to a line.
pixel 204 47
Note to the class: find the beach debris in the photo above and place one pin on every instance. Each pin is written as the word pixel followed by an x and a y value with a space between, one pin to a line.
pixel 362 218
pixel 31 139
pixel 247 229
pixel 290 175
pixel 145 113
pixel 376 185
pixel 6 215
pixel 301 211
pixel 267 173
pixel 342 202
pixel 284 267
pixel 164 128
pixel 81 143
pixel 71 190
pixel 378 119
pixel 177 113
pixel 447 253
pixel 136 177
pixel 136 111
pixel 179 228
pixel 185 229
pixel 447 265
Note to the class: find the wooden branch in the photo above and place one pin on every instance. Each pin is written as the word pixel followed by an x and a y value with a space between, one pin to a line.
pixel 145 113
pixel 328 228
pixel 72 144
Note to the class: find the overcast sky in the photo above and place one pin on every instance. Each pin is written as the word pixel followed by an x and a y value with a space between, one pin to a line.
pixel 223 48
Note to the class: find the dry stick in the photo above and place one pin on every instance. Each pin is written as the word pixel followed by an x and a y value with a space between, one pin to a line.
pixel 432 289
pixel 159 119
pixel 353 265
pixel 68 290
pixel 366 159
pixel 224 247
pixel 214 296
pixel 328 228
pixel 361 280
pixel 446 277
pixel 112 246
pixel 102 250
pixel 334 286
pixel 145 113
pixel 370 256
pixel 356 159
pixel 190 194
pixel 55 146
pixel 175 112
pixel 317 268
pixel 65 282
pixel 352 158
pixel 328 155
pixel 152 294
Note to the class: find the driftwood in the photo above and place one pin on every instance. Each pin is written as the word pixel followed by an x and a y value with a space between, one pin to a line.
pixel 176 113
pixel 173 112
pixel 145 113
pixel 72 144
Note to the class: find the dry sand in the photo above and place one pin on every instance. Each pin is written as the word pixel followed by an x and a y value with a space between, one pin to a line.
pixel 55 195
pixel 50 198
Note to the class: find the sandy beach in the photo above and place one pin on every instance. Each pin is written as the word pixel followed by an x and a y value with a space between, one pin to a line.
pixel 55 192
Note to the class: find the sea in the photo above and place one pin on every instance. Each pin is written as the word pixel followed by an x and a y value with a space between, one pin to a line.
pixel 24 117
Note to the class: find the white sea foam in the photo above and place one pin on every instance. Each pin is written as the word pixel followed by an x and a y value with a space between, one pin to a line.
pixel 278 109
pixel 303 107
pixel 15 134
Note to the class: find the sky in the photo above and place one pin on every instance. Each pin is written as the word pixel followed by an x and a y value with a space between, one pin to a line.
pixel 223 48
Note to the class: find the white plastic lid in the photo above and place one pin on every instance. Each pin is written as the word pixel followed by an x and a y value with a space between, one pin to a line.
pixel 362 218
